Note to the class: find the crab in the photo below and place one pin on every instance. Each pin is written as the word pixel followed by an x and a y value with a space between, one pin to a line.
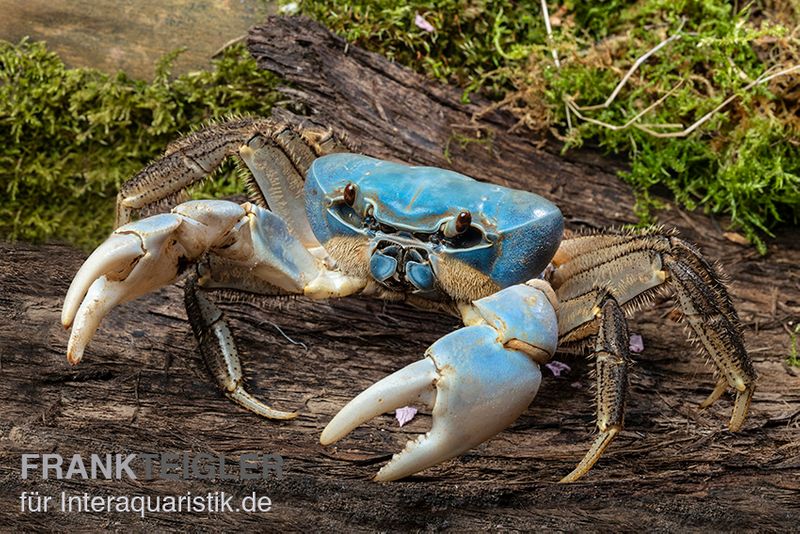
pixel 324 222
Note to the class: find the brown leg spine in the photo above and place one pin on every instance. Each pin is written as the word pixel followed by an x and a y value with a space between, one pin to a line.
pixel 611 352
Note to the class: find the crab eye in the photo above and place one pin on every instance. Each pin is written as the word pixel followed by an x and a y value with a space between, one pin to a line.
pixel 350 194
pixel 463 221
pixel 458 225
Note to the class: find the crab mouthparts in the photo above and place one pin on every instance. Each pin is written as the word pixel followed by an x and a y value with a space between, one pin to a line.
pixel 402 268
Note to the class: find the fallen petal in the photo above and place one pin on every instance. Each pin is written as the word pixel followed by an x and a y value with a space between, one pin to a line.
pixel 556 367
pixel 636 343
pixel 405 414
pixel 423 24
pixel 289 9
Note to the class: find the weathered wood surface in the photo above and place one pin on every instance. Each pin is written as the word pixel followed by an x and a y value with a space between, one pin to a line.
pixel 131 36
pixel 142 387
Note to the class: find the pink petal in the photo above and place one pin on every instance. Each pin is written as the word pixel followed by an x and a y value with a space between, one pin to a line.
pixel 556 367
pixel 636 343
pixel 423 24
pixel 405 414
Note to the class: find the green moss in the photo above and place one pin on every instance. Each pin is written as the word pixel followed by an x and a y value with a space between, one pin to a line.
pixel 794 354
pixel 472 39
pixel 744 163
pixel 71 136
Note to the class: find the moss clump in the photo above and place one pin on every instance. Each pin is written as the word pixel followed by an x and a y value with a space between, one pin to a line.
pixel 743 163
pixel 71 136
pixel 471 39
pixel 794 353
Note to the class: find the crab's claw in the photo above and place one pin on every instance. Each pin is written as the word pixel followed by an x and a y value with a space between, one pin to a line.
pixel 475 383
pixel 117 271
pixel 150 253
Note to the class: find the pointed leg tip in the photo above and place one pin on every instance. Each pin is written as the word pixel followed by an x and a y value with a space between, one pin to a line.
pixel 277 415
pixel 740 408
pixel 578 473
pixel 603 439
pixel 74 355
pixel 570 478
pixel 247 401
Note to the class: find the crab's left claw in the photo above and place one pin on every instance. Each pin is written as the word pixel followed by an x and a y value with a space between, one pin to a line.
pixel 476 384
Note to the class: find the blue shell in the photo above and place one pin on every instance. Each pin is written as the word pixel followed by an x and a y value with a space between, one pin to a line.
pixel 523 228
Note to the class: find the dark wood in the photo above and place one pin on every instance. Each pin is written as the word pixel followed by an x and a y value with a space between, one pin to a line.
pixel 143 388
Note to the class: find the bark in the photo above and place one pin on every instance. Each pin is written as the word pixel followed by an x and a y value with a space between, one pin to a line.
pixel 143 388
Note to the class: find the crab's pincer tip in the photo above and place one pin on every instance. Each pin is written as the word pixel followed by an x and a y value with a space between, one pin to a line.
pixel 412 384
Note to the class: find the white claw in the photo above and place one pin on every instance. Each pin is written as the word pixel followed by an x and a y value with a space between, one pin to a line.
pixel 135 259
pixel 100 299
pixel 411 384
pixel 117 254
pixel 477 388
pixel 150 253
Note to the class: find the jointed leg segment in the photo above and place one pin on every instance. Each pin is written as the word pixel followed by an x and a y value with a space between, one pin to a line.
pixel 612 357
pixel 276 154
pixel 218 347
pixel 594 271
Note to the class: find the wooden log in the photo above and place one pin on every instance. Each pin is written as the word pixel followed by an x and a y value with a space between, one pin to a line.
pixel 143 388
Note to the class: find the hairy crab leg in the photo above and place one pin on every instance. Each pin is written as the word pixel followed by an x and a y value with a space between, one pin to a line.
pixel 196 156
pixel 278 164
pixel 478 380
pixel 218 347
pixel 631 268
pixel 715 323
pixel 184 163
pixel 612 358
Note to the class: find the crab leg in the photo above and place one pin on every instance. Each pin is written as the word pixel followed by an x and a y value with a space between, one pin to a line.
pixel 184 163
pixel 709 312
pixel 631 268
pixel 218 347
pixel 611 365
pixel 475 381
pixel 276 153
pixel 280 178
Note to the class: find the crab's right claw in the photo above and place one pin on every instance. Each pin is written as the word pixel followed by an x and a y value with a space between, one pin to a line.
pixel 476 386
pixel 135 259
